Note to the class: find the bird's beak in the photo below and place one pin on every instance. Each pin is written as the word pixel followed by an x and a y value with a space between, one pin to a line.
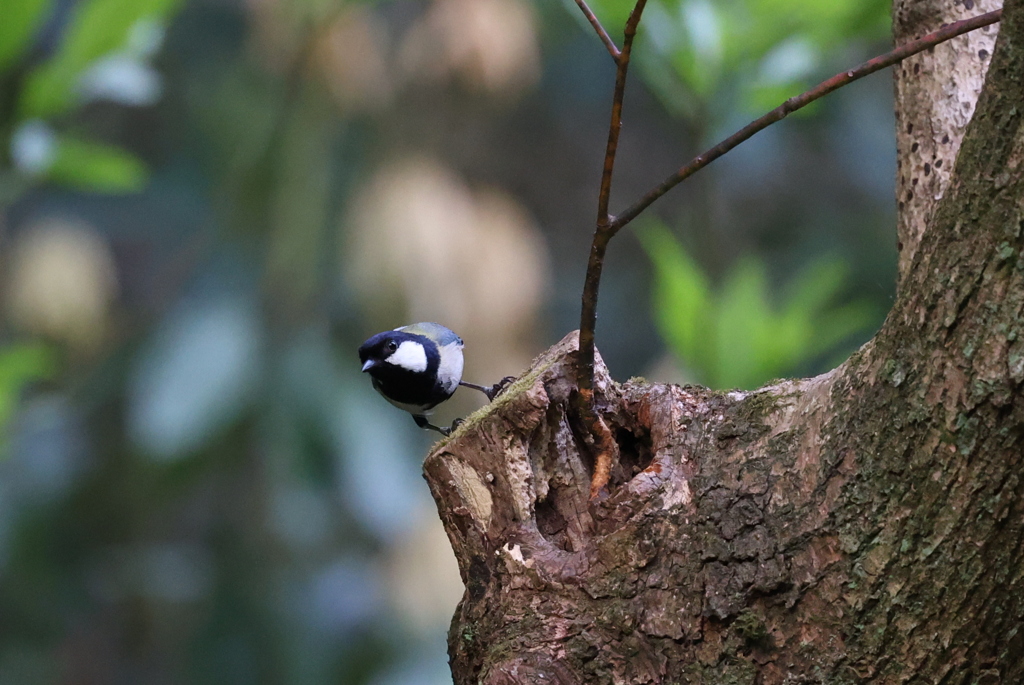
pixel 369 365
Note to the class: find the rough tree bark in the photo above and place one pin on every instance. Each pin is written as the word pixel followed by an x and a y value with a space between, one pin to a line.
pixel 866 525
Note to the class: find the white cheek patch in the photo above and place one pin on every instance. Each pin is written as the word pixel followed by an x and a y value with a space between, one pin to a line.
pixel 409 355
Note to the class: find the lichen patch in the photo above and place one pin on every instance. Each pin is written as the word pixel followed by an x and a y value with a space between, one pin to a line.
pixel 472 490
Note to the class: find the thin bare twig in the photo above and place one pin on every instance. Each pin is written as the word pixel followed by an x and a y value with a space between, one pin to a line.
pixel 601 33
pixel 602 234
pixel 793 104
pixel 607 449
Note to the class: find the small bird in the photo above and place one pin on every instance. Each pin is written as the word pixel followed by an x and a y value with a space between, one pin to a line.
pixel 417 367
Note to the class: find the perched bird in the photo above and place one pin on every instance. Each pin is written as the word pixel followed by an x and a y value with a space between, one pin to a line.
pixel 418 367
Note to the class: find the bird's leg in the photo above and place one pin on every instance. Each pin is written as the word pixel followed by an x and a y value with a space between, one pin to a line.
pixel 500 386
pixel 422 422
pixel 487 391
pixel 492 391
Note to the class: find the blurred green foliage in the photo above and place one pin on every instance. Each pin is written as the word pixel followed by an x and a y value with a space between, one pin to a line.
pixel 93 166
pixel 21 20
pixel 97 29
pixel 735 336
pixel 124 33
pixel 704 57
pixel 44 92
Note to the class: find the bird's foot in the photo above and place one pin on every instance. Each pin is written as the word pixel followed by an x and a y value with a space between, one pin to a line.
pixel 422 422
pixel 491 391
pixel 500 386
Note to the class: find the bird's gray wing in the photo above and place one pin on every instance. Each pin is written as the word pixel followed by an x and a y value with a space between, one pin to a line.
pixel 435 331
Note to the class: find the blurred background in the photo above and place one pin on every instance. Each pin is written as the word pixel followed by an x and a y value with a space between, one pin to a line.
pixel 206 205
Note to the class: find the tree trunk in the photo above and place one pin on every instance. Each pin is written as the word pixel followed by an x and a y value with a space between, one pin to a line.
pixel 866 525
pixel 936 92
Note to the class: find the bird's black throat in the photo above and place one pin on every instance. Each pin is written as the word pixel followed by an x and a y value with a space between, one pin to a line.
pixel 408 387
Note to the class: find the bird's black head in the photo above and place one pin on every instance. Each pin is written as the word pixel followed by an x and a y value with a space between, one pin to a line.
pixel 377 349
pixel 398 351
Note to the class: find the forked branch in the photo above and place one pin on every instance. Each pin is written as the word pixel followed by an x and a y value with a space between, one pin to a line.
pixel 608 225
pixel 601 33
pixel 798 102
pixel 602 234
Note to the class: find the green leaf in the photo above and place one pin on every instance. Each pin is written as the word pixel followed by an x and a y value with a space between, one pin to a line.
pixel 20 364
pixel 98 28
pixel 744 330
pixel 96 167
pixel 682 297
pixel 739 338
pixel 838 326
pixel 19 20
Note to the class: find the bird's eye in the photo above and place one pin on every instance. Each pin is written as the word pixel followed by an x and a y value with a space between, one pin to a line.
pixel 392 345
